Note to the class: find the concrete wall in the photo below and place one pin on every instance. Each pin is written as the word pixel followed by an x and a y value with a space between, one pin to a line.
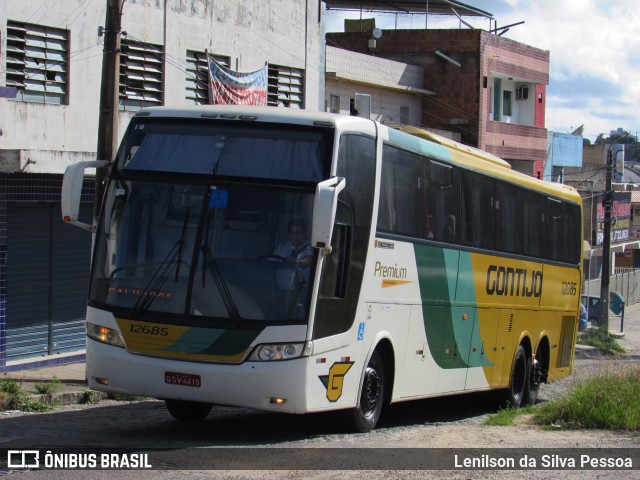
pixel 389 84
pixel 463 99
pixel 626 284
pixel 283 32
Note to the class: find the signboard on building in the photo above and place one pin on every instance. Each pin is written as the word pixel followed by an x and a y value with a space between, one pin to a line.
pixel 620 216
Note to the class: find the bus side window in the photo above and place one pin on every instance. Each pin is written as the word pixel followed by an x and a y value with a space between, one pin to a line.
pixel 509 225
pixel 335 270
pixel 478 227
pixel 442 202
pixel 554 231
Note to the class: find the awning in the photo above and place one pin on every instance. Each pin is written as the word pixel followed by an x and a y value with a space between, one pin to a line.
pixel 615 248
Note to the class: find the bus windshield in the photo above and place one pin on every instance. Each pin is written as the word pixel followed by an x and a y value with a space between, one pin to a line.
pixel 203 251
pixel 294 154
pixel 201 246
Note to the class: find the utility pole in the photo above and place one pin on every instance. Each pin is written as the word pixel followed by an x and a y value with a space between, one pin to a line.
pixel 606 246
pixel 108 121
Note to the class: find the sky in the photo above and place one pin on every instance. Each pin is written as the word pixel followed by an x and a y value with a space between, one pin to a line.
pixel 594 48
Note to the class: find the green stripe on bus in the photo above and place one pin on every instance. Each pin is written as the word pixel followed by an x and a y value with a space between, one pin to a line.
pixel 418 145
pixel 453 333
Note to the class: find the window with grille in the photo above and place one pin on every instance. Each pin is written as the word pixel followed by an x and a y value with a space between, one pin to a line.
pixel 37 62
pixel 363 105
pixel 404 115
pixel 141 75
pixel 197 80
pixel 286 87
pixel 334 104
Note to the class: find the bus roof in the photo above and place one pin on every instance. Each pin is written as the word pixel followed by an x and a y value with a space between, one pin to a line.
pixel 477 159
pixel 459 153
pixel 452 144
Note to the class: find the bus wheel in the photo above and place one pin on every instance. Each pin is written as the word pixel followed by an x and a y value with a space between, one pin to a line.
pixel 535 379
pixel 514 395
pixel 364 417
pixel 188 411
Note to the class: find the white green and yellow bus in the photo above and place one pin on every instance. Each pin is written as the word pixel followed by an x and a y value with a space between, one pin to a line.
pixel 431 268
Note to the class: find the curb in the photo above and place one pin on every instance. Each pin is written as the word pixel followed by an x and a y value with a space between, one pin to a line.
pixel 69 398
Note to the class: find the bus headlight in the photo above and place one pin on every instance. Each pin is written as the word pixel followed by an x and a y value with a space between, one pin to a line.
pixel 283 351
pixel 104 335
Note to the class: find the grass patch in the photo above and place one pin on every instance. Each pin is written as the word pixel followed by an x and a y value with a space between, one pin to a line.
pixel 601 340
pixel 12 397
pixel 49 388
pixel 506 416
pixel 90 397
pixel 35 406
pixel 119 397
pixel 610 400
pixel 11 394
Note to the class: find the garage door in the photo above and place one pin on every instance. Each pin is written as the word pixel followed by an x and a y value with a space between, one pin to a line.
pixel 47 281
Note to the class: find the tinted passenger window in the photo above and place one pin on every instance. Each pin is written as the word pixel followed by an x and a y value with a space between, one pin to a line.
pixel 478 228
pixel 533 222
pixel 509 226
pixel 442 202
pixel 554 231
pixel 574 232
pixel 400 193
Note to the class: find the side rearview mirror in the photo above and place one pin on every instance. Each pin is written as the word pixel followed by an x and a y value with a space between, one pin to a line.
pixel 72 189
pixel 324 213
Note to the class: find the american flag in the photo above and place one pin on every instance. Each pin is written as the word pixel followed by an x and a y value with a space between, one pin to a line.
pixel 228 87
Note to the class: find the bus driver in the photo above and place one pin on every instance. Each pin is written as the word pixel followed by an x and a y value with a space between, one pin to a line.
pixel 296 251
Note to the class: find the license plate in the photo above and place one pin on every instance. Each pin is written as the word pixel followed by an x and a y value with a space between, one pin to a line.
pixel 184 379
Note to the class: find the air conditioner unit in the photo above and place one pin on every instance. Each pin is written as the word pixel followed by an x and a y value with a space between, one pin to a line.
pixel 522 92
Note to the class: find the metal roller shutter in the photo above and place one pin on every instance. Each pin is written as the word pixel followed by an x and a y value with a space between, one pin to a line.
pixel 70 282
pixel 47 281
pixel 28 252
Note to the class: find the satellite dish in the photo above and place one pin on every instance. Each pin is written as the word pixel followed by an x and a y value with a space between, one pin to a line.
pixel 377 33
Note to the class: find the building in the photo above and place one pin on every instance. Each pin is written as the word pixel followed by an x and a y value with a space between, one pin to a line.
pixel 472 85
pixel 589 178
pixel 373 87
pixel 50 68
pixel 488 89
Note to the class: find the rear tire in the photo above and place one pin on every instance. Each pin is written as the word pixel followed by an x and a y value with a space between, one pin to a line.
pixel 533 385
pixel 519 381
pixel 187 411
pixel 364 417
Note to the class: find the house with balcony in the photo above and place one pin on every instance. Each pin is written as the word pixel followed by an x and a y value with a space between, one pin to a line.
pixel 488 89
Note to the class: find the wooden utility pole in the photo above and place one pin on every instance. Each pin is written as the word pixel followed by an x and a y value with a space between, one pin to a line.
pixel 108 121
pixel 606 246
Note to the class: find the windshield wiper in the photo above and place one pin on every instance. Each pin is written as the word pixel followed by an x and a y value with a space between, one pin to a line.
pixel 160 276
pixel 182 241
pixel 217 275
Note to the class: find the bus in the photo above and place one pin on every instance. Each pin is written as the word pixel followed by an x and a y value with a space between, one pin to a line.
pixel 427 267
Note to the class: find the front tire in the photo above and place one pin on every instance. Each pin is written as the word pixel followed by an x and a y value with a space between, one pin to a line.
pixel 187 411
pixel 364 417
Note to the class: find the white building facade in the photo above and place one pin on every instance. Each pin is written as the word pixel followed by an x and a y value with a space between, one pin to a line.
pixel 50 74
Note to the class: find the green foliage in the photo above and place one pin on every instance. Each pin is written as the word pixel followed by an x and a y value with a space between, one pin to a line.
pixel 119 397
pixel 35 406
pixel 609 401
pixel 12 397
pixel 49 388
pixel 90 397
pixel 506 416
pixel 600 339
pixel 9 386
pixel 11 394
